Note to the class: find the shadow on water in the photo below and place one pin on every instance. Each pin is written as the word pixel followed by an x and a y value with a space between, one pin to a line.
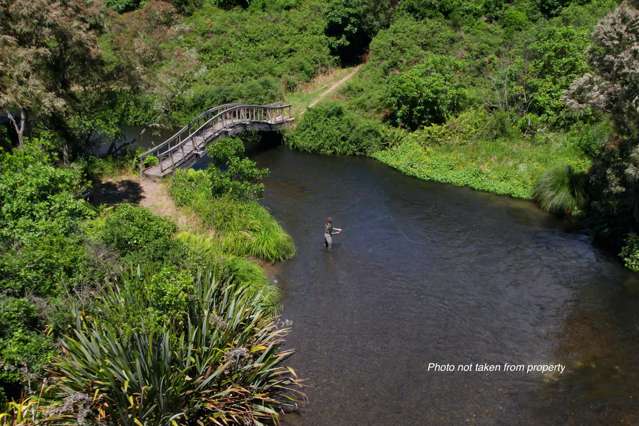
pixel 424 273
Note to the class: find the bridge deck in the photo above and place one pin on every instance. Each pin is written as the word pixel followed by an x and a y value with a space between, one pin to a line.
pixel 177 152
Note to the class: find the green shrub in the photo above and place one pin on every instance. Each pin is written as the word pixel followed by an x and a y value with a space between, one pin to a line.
pixel 24 355
pixel 16 313
pixel 37 198
pixel 591 139
pixel 151 161
pixel 330 128
pixel 135 231
pixel 234 175
pixel 630 252
pixel 250 230
pixel 429 93
pixel 161 296
pixel 558 191
pixel 46 265
pixel 190 187
pixel 351 25
pixel 224 362
pixel 226 149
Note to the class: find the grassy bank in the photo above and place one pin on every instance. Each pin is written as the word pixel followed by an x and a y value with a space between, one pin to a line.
pixel 242 227
pixel 502 166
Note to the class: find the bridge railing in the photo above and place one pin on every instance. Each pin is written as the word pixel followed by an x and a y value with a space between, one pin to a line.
pixel 216 119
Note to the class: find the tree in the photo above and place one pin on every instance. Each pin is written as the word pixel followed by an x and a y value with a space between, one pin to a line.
pixel 47 52
pixel 427 94
pixel 613 87
pixel 234 174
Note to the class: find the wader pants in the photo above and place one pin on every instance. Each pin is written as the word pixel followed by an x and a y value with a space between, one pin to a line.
pixel 328 241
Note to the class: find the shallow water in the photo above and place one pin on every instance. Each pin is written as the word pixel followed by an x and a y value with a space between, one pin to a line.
pixel 424 273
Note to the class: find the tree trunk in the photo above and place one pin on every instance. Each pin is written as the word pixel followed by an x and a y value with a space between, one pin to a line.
pixel 18 127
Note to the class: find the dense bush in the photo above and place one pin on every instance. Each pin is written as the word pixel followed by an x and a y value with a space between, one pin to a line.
pixel 330 128
pixel 224 362
pixel 216 56
pixel 207 253
pixel 135 231
pixel 42 256
pixel 429 93
pixel 24 349
pixel 46 265
pixel 234 174
pixel 36 197
pixel 352 24
pixel 553 59
pixel 123 5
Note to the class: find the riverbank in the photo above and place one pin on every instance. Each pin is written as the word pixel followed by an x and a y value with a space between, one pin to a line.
pixel 501 166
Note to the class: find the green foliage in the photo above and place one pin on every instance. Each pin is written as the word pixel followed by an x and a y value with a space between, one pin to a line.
pixel 217 56
pixel 137 233
pixel 330 128
pixel 352 24
pixel 162 297
pixel 37 198
pixel 630 252
pixel 245 227
pixel 556 58
pixel 46 265
pixel 222 153
pixel 591 139
pixel 16 313
pixel 224 361
pixel 405 43
pixel 208 253
pixel 558 191
pixel 151 161
pixel 23 350
pixel 429 93
pixel 552 7
pixel 42 255
pixel 234 175
pixel 503 166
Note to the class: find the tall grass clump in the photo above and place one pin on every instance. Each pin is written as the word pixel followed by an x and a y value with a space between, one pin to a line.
pixel 559 191
pixel 223 365
pixel 244 227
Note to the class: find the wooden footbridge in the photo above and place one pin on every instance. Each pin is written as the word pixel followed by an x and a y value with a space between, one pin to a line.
pixel 189 143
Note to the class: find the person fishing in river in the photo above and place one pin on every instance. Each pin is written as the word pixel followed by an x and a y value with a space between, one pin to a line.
pixel 329 231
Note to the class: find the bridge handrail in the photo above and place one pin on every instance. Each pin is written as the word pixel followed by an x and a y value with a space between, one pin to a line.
pixel 213 116
pixel 213 119
pixel 186 128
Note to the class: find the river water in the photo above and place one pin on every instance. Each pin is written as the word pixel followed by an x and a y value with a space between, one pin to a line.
pixel 425 272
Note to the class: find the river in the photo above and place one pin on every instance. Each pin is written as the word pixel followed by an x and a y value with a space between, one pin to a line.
pixel 425 272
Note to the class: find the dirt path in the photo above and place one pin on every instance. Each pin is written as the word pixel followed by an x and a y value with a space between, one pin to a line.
pixel 151 194
pixel 333 88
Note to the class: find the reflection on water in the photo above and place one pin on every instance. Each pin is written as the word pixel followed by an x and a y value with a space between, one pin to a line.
pixel 426 272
